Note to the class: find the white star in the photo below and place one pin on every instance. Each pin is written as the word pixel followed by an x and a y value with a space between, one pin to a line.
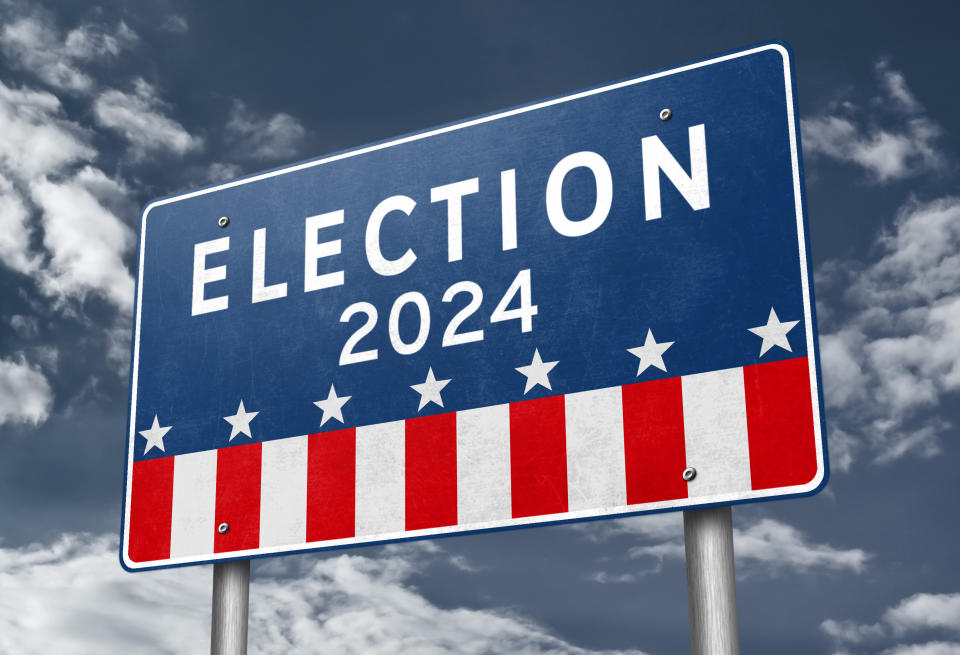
pixel 429 390
pixel 332 407
pixel 154 435
pixel 537 372
pixel 240 422
pixel 650 353
pixel 774 333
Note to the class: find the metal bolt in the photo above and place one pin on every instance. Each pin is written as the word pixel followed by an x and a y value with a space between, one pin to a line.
pixel 689 473
pixel 666 114
pixel 223 221
pixel 223 528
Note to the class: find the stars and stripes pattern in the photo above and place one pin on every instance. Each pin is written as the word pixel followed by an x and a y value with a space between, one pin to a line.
pixel 746 431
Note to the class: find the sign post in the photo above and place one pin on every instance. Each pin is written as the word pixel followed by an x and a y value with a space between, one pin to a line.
pixel 711 585
pixel 231 600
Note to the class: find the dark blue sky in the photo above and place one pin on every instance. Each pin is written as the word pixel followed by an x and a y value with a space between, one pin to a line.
pixel 103 108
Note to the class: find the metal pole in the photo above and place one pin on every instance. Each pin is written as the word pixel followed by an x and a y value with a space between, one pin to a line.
pixel 711 587
pixel 231 598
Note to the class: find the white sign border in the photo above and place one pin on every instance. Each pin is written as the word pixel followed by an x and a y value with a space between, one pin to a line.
pixel 811 487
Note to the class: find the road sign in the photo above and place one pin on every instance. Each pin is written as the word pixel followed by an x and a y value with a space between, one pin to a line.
pixel 593 305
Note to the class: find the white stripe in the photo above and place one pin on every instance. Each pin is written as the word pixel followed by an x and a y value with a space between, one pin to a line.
pixel 715 427
pixel 380 479
pixel 192 523
pixel 483 465
pixel 283 492
pixel 596 468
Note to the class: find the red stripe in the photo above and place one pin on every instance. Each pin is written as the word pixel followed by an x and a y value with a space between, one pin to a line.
pixel 151 508
pixel 238 497
pixel 538 457
pixel 430 444
pixel 653 441
pixel 331 483
pixel 783 449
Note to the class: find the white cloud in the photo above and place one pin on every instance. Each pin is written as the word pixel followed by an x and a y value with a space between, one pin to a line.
pixel 47 356
pixel 219 172
pixel 89 42
pixel 906 145
pixel 139 116
pixel 39 142
pixel 604 577
pixel 72 597
pixel 766 545
pixel 176 24
pixel 26 327
pixel 60 222
pixel 920 263
pixel 85 242
pixel 358 605
pixel 25 395
pixel 15 232
pixel 118 338
pixel 892 363
pixel 851 632
pixel 34 44
pixel 918 613
pixel 895 85
pixel 925 611
pixel 661 551
pixel 112 193
pixel 461 563
pixel 929 648
pixel 843 448
pixel 37 139
pixel 776 545
pixel 50 194
pixel 771 546
pixel 663 532
pixel 258 137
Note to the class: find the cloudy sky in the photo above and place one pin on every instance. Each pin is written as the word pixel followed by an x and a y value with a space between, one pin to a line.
pixel 104 107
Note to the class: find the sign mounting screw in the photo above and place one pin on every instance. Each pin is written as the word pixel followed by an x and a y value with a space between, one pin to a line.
pixel 223 221
pixel 689 473
pixel 666 114
pixel 223 528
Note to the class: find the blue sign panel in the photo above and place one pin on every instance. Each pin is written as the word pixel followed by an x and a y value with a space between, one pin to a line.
pixel 559 274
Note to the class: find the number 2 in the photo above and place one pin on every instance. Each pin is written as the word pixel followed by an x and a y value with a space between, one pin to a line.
pixel 347 356
pixel 450 336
